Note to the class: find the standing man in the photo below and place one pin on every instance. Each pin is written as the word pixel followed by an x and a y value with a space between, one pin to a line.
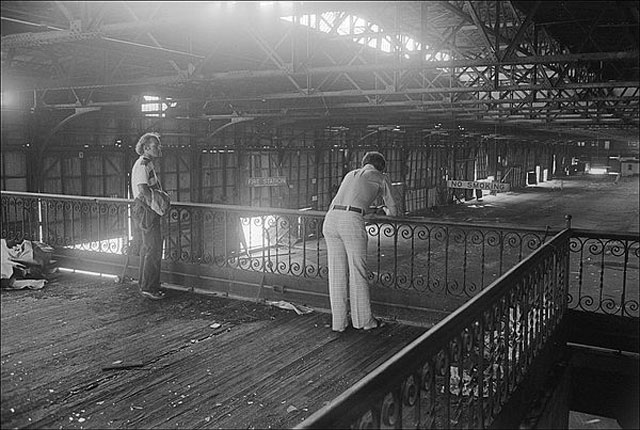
pixel 346 239
pixel 143 181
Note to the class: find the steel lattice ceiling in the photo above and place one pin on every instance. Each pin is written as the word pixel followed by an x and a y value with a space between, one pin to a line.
pixel 531 65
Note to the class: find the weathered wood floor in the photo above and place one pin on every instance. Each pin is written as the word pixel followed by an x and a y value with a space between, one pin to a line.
pixel 264 367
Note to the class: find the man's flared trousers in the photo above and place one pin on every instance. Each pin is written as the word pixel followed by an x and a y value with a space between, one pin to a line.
pixel 346 240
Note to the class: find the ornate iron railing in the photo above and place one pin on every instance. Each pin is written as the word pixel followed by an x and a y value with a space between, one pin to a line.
pixel 447 258
pixel 462 372
pixel 605 269
pixel 404 254
pixel 410 255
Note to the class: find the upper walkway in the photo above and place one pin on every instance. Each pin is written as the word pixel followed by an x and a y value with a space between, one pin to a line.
pixel 263 367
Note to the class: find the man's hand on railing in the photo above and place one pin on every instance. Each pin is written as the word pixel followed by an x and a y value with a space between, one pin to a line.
pixel 380 210
pixel 375 212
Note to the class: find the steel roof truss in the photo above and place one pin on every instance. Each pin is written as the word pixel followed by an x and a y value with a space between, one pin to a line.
pixel 483 30
pixel 275 58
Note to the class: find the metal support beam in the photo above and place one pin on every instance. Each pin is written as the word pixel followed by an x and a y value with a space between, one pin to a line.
pixel 357 68
pixel 31 40
pixel 483 30
pixel 524 26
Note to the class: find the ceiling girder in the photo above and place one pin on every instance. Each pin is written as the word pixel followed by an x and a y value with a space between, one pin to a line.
pixel 357 68
pixel 524 26
pixel 483 30
pixel 517 69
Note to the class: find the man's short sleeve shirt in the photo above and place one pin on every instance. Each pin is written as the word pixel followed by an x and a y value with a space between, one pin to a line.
pixel 143 172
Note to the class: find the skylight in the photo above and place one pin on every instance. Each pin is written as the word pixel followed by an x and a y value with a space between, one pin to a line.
pixel 363 32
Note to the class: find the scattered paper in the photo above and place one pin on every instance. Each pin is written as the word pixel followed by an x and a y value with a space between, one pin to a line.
pixel 299 309
pixel 32 284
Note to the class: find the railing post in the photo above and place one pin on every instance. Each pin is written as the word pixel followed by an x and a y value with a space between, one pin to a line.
pixel 568 220
pixel 567 268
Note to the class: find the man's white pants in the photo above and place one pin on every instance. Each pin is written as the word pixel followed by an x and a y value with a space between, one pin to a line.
pixel 346 241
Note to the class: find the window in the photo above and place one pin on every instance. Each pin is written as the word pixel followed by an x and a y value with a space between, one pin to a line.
pixel 155 107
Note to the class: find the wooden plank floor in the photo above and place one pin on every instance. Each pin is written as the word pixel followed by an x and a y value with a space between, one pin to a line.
pixel 264 367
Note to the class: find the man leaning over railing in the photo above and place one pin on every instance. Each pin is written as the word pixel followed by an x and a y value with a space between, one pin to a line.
pixel 346 239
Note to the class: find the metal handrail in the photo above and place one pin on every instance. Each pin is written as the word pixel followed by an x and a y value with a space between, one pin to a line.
pixel 367 395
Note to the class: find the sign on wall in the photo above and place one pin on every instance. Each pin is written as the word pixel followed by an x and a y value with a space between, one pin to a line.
pixel 267 181
pixel 478 185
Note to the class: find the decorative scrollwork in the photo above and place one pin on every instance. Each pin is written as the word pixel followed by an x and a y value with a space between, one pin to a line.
pixel 388 230
pixel 207 258
pixel 389 410
pixel 471 289
pixel 493 238
pixel 282 267
pixel 476 237
pixel 532 241
pixel 256 264
pixel 617 248
pixel 631 308
pixel 386 279
pixel 422 232
pixel 512 240
pixel 296 269
pixel 595 246
pixel 459 236
pixel 609 306
pixel 221 261
pixel 439 233
pixel 366 421
pixel 586 303
pixel 405 232
pixel 426 377
pixel 420 284
pixel 402 281
pixel 454 288
pixel 174 214
pixel 436 286
pixel 311 271
pixel 410 391
pixel 441 363
pixel 185 215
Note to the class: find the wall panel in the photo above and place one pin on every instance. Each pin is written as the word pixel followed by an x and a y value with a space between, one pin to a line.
pixel 14 170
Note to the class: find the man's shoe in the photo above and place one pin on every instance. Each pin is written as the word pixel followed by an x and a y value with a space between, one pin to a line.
pixel 158 295
pixel 379 324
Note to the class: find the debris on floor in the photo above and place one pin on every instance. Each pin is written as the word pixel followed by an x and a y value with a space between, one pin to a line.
pixel 20 284
pixel 25 264
pixel 299 309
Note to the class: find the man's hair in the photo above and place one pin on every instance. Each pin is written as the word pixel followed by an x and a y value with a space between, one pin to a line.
pixel 145 140
pixel 374 158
